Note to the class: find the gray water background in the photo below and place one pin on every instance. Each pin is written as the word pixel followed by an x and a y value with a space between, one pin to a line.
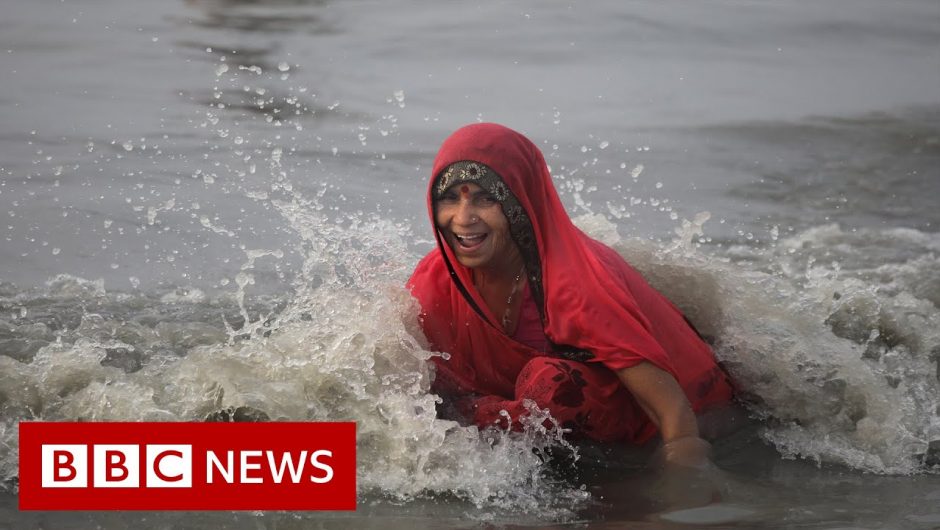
pixel 147 150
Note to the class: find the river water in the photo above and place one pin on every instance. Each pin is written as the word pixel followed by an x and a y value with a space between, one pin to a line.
pixel 215 203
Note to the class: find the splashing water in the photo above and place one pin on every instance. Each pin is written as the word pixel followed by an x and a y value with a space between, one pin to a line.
pixel 344 347
pixel 841 361
pixel 830 335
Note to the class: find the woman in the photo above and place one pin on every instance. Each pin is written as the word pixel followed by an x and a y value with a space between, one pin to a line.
pixel 529 307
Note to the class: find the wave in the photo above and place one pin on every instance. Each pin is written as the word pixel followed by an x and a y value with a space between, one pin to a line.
pixel 834 348
pixel 343 346
pixel 831 336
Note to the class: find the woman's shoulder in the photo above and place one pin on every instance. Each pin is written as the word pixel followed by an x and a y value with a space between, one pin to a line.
pixel 647 296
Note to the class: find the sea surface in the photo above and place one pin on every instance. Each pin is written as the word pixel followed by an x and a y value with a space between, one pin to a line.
pixel 208 204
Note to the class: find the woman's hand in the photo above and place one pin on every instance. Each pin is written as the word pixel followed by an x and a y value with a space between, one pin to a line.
pixel 689 451
pixel 687 477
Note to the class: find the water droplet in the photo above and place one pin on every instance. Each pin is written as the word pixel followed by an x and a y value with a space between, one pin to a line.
pixel 56 250
pixel 635 173
pixel 128 146
pixel 400 98
pixel 659 185
pixel 221 69
pixel 283 66
pixel 604 144
pixel 239 140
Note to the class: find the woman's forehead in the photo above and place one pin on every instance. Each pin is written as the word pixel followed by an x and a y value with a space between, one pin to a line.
pixel 464 187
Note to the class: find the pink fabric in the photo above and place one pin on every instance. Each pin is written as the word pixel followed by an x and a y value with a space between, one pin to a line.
pixel 529 330
pixel 593 300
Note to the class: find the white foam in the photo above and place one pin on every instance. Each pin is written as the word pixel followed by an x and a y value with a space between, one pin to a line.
pixel 838 356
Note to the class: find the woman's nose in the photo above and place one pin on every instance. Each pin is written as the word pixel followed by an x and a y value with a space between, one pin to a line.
pixel 466 213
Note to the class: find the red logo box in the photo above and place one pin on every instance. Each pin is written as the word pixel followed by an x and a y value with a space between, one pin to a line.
pixel 187 466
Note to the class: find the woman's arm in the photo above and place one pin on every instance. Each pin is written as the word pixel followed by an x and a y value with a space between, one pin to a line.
pixel 658 393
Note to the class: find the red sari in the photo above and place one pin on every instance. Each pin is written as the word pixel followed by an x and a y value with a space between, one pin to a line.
pixel 599 315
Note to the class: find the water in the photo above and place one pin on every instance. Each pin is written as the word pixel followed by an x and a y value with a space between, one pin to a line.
pixel 213 204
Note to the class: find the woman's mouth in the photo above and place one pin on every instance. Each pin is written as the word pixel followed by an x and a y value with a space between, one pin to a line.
pixel 470 241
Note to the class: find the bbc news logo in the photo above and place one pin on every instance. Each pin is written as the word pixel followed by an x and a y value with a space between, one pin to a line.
pixel 170 466
pixel 187 466
pixel 116 466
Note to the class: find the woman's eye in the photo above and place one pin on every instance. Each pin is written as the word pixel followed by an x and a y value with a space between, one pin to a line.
pixel 488 199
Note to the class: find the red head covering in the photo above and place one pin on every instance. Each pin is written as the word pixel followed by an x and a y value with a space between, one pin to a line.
pixel 590 299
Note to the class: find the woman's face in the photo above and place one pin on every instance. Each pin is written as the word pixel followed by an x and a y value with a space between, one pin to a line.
pixel 474 226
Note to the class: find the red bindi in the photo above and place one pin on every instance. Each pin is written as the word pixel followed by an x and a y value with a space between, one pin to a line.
pixel 465 190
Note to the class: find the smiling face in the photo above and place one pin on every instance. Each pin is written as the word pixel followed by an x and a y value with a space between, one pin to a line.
pixel 474 226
